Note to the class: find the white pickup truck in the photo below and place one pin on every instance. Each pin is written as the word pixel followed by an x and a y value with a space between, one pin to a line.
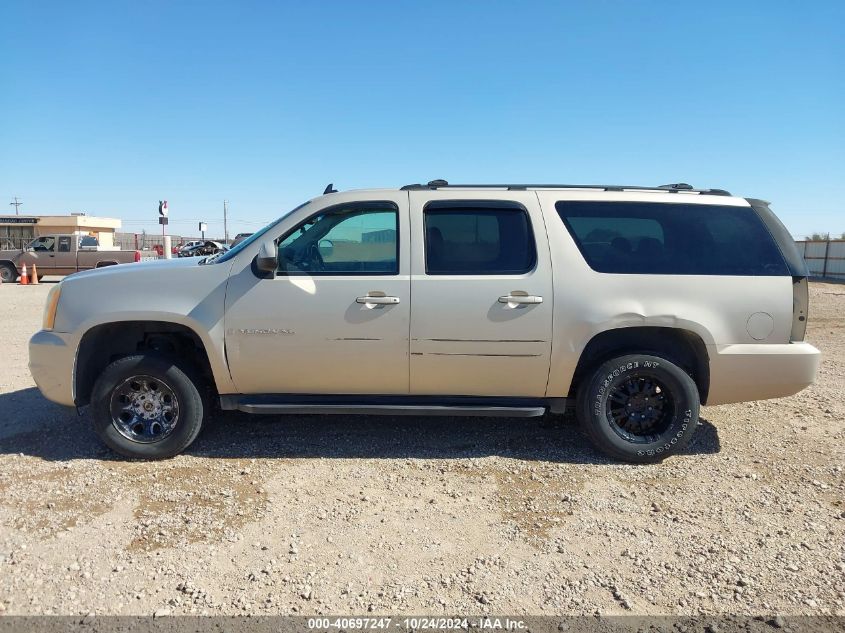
pixel 634 305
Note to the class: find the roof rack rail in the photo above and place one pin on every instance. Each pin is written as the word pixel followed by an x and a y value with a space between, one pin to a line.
pixel 673 188
pixel 680 186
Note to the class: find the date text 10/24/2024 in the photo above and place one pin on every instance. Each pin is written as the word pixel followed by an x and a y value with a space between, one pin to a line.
pixel 416 623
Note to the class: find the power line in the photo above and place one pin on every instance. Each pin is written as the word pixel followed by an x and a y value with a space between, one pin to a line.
pixel 16 204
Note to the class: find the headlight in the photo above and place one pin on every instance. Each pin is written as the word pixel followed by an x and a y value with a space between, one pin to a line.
pixel 49 319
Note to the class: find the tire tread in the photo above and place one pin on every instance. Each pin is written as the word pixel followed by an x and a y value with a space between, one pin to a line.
pixel 590 426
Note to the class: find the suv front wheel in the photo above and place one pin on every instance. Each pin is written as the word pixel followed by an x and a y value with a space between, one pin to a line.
pixel 8 273
pixel 639 408
pixel 148 407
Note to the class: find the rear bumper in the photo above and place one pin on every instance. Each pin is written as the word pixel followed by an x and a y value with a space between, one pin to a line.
pixel 51 361
pixel 739 373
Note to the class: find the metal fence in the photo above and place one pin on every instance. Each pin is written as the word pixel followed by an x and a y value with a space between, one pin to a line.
pixel 148 241
pixel 825 258
pixel 14 243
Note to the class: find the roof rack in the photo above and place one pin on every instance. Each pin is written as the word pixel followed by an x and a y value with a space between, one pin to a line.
pixel 673 188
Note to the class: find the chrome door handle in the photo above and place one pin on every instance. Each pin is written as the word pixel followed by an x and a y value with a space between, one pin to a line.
pixel 377 300
pixel 521 299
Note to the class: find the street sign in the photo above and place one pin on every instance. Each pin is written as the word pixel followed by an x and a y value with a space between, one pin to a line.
pixel 203 227
pixel 162 209
pixel 163 220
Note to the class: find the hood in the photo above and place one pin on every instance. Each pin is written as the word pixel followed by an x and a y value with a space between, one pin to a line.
pixel 164 290
pixel 10 253
pixel 156 266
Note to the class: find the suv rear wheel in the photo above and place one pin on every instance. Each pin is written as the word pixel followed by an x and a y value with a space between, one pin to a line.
pixel 147 406
pixel 639 408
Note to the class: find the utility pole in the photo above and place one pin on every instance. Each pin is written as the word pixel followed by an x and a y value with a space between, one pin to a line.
pixel 225 223
pixel 16 204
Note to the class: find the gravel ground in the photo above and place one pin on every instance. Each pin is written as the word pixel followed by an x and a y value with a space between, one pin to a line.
pixel 311 515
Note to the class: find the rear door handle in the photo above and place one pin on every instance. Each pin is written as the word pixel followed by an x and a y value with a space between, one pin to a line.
pixel 377 300
pixel 521 299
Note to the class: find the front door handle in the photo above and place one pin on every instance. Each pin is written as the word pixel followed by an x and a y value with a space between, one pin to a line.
pixel 513 299
pixel 378 300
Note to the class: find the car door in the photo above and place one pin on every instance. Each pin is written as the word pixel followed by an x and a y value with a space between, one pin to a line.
pixel 481 318
pixel 42 252
pixel 334 318
pixel 66 261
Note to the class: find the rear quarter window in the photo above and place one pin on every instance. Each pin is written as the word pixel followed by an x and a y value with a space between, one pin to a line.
pixel 671 239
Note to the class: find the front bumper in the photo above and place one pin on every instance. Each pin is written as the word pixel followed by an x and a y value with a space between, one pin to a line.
pixel 51 362
pixel 740 373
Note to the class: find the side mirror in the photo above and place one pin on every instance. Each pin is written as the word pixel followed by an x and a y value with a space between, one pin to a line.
pixel 267 260
pixel 326 248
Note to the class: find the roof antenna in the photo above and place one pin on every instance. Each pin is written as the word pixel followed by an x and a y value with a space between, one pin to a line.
pixel 329 189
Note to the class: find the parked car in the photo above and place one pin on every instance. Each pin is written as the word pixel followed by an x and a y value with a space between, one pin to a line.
pixel 633 305
pixel 189 245
pixel 64 254
pixel 240 237
pixel 202 249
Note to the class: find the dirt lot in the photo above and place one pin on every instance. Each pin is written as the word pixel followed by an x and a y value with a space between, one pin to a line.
pixel 411 515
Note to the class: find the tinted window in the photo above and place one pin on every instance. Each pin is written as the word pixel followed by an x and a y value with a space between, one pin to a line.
pixel 477 239
pixel 355 239
pixel 672 239
pixel 64 244
pixel 89 240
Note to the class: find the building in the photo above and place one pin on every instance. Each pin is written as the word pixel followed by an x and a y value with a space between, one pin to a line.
pixel 380 237
pixel 18 230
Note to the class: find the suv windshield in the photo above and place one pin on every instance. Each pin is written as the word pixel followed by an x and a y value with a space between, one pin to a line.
pixel 233 252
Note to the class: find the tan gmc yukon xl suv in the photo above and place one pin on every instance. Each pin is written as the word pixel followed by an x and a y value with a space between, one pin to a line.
pixel 634 305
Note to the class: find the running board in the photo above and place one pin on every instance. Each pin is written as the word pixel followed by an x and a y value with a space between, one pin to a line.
pixel 389 409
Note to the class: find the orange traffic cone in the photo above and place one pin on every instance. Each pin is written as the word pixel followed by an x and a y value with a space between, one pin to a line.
pixel 24 277
pixel 34 281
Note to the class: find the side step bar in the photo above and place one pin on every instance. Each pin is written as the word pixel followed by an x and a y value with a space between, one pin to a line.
pixel 389 409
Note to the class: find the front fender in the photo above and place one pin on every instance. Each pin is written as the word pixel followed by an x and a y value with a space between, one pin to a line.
pixel 183 294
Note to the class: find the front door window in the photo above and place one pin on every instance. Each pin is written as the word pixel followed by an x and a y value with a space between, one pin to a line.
pixel 357 239
pixel 45 243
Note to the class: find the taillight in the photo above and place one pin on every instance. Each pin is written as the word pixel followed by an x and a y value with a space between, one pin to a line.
pixel 137 256
pixel 800 307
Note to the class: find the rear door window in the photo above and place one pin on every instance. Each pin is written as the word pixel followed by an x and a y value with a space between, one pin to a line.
pixel 671 239
pixel 478 238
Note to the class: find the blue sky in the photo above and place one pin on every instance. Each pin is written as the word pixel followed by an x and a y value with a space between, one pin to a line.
pixel 108 107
